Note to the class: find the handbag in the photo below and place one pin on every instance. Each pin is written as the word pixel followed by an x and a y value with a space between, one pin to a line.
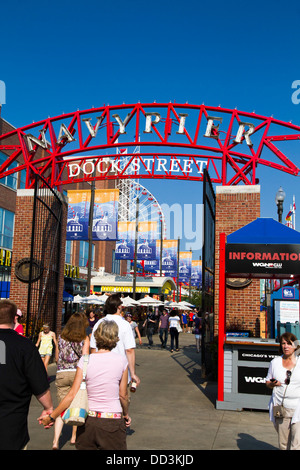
pixel 76 413
pixel 278 411
pixel 178 327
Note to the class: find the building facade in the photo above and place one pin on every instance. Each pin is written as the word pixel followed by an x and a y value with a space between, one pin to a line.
pixel 76 252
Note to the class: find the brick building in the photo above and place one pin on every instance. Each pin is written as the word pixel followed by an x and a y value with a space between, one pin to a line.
pixel 236 206
pixel 76 252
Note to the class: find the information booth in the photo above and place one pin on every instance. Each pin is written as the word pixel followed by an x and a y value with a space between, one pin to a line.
pixel 263 249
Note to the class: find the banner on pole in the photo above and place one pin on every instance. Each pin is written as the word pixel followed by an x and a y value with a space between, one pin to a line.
pixel 105 220
pixel 147 235
pixel 105 214
pixel 125 244
pixel 196 275
pixel 169 257
pixel 185 266
pixel 78 215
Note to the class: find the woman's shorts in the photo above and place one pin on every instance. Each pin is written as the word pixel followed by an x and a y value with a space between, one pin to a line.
pixel 101 434
pixel 63 382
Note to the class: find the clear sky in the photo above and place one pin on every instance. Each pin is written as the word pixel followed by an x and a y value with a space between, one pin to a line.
pixel 60 56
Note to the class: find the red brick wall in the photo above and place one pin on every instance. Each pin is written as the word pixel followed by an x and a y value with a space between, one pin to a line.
pixel 236 206
pixel 21 249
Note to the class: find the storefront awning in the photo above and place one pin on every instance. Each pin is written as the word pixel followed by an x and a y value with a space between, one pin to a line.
pixel 265 231
pixel 67 297
pixel 152 285
pixel 264 249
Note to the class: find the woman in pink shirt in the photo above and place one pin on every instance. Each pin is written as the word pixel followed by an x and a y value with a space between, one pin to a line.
pixel 18 327
pixel 106 382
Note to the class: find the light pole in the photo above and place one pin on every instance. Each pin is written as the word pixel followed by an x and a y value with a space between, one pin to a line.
pixel 279 198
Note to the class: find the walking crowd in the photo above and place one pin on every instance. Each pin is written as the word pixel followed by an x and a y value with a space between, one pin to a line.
pixel 95 375
pixel 93 354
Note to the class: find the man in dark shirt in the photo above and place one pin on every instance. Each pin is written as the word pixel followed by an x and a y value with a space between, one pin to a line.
pixel 22 374
pixel 163 328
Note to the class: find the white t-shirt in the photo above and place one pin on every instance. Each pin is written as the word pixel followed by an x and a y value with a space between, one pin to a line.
pixel 292 396
pixel 174 321
pixel 126 338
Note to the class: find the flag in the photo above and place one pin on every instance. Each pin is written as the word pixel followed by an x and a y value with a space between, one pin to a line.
pixel 289 216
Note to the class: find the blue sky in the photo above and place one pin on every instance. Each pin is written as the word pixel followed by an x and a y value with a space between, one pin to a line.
pixel 59 56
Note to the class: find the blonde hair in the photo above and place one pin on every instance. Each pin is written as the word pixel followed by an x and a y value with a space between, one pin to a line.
pixel 106 335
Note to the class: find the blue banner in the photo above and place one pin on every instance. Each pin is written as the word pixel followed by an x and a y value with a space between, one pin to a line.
pixel 125 244
pixel 196 276
pixel 185 266
pixel 105 214
pixel 78 215
pixel 169 258
pixel 147 235
pixel 105 220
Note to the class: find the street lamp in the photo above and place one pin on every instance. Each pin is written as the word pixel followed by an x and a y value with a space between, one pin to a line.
pixel 279 198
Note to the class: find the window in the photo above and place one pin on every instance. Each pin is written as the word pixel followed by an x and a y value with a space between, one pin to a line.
pixel 68 251
pixel 115 264
pixel 22 176
pixel 11 180
pixel 7 220
pixel 84 254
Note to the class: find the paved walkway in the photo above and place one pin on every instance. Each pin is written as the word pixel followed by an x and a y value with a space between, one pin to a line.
pixel 174 408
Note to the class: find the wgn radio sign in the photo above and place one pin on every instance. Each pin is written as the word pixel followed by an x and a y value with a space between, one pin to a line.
pixel 252 380
pixel 2 93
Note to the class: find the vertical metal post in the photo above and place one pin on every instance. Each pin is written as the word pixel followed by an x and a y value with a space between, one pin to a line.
pixel 222 318
pixel 90 235
pixel 178 254
pixel 28 313
pixel 135 247
pixel 161 247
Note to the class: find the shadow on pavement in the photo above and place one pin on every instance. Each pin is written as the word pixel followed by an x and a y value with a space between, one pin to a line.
pixel 190 360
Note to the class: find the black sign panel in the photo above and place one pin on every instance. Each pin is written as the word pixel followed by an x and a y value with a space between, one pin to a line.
pixel 256 355
pixel 208 248
pixel 262 259
pixel 252 380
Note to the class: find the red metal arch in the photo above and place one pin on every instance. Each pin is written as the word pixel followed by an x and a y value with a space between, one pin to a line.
pixel 121 142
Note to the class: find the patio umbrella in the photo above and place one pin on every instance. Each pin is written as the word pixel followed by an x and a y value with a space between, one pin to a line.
pixel 149 301
pixel 176 305
pixel 187 304
pixel 103 297
pixel 128 302
pixel 78 299
pixel 94 299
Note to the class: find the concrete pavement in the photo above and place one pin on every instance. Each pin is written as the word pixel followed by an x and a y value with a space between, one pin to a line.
pixel 174 408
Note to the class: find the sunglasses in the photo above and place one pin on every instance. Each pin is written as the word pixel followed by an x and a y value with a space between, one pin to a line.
pixel 288 377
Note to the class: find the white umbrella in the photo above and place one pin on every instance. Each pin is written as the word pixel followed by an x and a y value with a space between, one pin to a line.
pixel 187 304
pixel 103 298
pixel 128 302
pixel 78 299
pixel 175 305
pixel 94 299
pixel 150 301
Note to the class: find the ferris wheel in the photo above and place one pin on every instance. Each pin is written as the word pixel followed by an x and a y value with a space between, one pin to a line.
pixel 131 193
